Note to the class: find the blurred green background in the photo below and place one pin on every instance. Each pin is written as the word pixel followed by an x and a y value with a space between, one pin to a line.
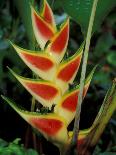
pixel 102 52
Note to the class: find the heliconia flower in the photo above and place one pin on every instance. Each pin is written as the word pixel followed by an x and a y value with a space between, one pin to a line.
pixel 58 43
pixel 47 14
pixel 43 31
pixel 67 105
pixel 54 75
pixel 52 126
pixel 38 61
pixel 68 69
pixel 45 92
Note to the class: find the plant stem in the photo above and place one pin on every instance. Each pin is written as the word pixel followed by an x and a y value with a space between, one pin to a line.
pixel 33 104
pixel 105 113
pixel 33 99
pixel 83 72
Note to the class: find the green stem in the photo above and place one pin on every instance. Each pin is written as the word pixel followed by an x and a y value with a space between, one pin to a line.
pixel 107 109
pixel 105 113
pixel 33 104
pixel 33 47
pixel 83 72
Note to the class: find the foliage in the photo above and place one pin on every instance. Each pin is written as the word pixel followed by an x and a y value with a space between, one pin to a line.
pixel 14 148
pixel 10 28
pixel 80 11
pixel 23 7
pixel 110 131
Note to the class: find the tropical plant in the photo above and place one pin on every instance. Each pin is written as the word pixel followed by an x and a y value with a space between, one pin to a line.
pixel 51 86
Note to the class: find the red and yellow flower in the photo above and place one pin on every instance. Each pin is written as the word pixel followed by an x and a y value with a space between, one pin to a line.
pixel 51 87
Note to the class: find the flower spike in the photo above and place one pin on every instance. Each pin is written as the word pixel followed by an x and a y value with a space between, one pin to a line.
pixel 59 41
pixel 50 87
pixel 39 62
pixel 67 106
pixel 42 30
pixel 45 92
pixel 52 126
pixel 47 14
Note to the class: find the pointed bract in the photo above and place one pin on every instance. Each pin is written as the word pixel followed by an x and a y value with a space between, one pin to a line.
pixel 67 106
pixel 51 126
pixel 47 14
pixel 68 69
pixel 39 62
pixel 42 30
pixel 43 91
pixel 58 44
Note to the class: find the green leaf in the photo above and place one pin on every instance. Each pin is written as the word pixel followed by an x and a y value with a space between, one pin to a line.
pixel 111 58
pixel 4 44
pixel 15 148
pixel 31 152
pixel 106 111
pixel 102 78
pixel 54 4
pixel 104 43
pixel 23 7
pixel 3 143
pixel 80 11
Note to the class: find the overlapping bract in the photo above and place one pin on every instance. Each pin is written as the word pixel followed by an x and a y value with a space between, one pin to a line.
pixel 54 77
